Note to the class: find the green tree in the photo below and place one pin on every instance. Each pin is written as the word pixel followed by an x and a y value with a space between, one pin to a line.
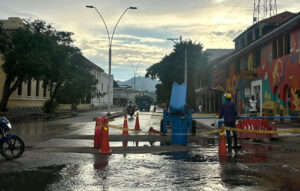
pixel 171 69
pixel 25 55
pixel 67 72
pixel 79 85
pixel 38 51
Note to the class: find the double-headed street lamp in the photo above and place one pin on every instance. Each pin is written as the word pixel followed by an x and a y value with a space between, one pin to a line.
pixel 110 38
pixel 135 69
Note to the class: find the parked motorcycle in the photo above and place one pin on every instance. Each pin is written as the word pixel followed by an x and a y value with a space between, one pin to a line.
pixel 11 145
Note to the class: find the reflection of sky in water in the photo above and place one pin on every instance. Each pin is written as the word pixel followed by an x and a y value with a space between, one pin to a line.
pixel 168 171
pixel 140 172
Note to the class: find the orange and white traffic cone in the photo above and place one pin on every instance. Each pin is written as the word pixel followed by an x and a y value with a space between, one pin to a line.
pixel 222 143
pixel 105 149
pixel 125 126
pixel 125 130
pixel 98 134
pixel 137 123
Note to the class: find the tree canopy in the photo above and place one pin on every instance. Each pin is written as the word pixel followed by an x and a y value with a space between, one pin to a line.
pixel 39 51
pixel 171 69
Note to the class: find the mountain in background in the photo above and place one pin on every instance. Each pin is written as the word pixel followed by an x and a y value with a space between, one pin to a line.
pixel 141 83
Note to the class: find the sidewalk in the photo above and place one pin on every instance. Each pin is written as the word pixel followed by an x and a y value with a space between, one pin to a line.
pixel 40 116
pixel 205 124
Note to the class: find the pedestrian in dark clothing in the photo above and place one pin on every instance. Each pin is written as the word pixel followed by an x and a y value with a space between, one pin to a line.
pixel 228 110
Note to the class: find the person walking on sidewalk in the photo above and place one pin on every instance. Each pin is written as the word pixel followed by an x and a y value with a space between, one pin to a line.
pixel 228 110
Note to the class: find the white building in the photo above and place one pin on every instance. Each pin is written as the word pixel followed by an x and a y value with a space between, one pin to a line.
pixel 122 95
pixel 100 100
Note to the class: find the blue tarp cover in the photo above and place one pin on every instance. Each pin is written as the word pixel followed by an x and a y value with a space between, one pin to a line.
pixel 178 97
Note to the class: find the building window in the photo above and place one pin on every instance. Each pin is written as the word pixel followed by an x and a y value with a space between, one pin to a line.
pixel 242 42
pixel 20 89
pixel 287 44
pixel 44 89
pixel 51 89
pixel 280 47
pixel 256 33
pixel 101 86
pixel 244 64
pixel 37 88
pixel 237 66
pixel 274 52
pixel 29 88
pixel 227 70
pixel 256 58
pixel 249 37
pixel 237 45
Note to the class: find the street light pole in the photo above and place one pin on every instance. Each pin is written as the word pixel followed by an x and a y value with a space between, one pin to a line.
pixel 110 38
pixel 134 74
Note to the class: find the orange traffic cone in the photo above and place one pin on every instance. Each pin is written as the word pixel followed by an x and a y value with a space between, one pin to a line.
pixel 105 149
pixel 153 131
pixel 137 123
pixel 125 126
pixel 98 134
pixel 222 143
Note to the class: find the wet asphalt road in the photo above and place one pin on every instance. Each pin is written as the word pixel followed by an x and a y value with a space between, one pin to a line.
pixel 254 167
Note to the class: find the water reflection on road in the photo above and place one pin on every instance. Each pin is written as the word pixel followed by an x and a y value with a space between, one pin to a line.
pixel 253 167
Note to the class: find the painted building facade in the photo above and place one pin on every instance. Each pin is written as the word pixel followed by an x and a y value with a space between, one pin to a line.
pixel 267 66
pixel 209 98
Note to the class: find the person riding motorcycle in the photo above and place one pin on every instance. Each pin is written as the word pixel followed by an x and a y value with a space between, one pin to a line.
pixel 130 108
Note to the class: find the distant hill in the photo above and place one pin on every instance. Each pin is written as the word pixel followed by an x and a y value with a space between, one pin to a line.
pixel 141 83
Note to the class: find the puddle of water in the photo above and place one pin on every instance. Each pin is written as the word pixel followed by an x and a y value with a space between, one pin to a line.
pixel 31 180
pixel 253 167
pixel 133 144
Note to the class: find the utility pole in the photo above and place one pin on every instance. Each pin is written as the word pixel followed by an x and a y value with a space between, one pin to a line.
pixel 264 8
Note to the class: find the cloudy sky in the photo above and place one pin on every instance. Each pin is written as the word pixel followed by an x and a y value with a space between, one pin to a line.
pixel 140 38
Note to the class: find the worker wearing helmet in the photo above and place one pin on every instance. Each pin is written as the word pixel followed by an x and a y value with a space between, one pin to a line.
pixel 228 111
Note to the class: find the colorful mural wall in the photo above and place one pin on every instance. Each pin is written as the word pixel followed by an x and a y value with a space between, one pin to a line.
pixel 280 78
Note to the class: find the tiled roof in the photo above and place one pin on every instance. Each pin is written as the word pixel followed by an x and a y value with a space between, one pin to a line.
pixel 279 18
pixel 91 64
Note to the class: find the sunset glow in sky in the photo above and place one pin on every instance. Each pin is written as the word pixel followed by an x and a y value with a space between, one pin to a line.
pixel 140 37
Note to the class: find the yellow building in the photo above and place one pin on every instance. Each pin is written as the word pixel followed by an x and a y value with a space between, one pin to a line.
pixel 31 95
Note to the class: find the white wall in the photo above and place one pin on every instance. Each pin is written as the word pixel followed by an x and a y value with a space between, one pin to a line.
pixel 102 87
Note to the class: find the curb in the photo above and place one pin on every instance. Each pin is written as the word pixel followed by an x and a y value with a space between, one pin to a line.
pixel 112 116
pixel 201 125
pixel 40 116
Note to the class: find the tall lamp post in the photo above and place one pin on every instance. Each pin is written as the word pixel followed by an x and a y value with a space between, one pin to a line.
pixel 134 69
pixel 110 38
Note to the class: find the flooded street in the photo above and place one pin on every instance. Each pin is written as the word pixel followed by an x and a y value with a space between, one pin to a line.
pixel 256 166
